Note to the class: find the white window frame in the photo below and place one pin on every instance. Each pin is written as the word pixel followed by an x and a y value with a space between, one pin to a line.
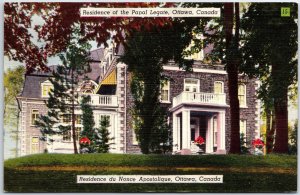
pixel 222 83
pixel 31 116
pixel 168 88
pixel 46 84
pixel 245 95
pixel 188 84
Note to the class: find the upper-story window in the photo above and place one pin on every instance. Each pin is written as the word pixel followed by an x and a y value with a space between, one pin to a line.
pixel 242 95
pixel 191 85
pixel 218 87
pixel 165 91
pixel 34 116
pixel 46 88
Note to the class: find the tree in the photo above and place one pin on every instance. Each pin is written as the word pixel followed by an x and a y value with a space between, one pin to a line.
pixel 293 138
pixel 102 144
pixel 219 33
pixel 145 53
pixel 88 122
pixel 270 49
pixel 13 83
pixel 63 96
pixel 231 15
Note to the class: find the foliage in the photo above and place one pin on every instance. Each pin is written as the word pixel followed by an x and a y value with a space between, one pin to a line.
pixel 244 148
pixel 102 140
pixel 145 53
pixel 13 83
pixel 63 96
pixel 88 122
pixel 293 139
pixel 58 22
pixel 269 50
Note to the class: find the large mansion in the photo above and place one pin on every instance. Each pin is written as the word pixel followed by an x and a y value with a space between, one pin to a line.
pixel 197 103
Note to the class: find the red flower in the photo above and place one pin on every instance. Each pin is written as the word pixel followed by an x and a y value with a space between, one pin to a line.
pixel 85 140
pixel 199 140
pixel 258 143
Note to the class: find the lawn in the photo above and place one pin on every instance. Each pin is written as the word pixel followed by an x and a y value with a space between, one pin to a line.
pixel 242 173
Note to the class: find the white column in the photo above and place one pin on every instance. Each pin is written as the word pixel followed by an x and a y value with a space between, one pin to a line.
pixel 186 130
pixel 209 135
pixel 175 133
pixel 221 133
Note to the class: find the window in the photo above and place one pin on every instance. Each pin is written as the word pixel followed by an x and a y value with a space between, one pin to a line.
pixel 46 88
pixel 191 85
pixel 242 95
pixel 165 91
pixel 35 145
pixel 218 87
pixel 67 135
pixel 78 119
pixel 34 116
pixel 243 130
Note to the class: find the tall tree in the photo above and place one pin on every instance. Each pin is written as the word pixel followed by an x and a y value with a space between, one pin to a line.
pixel 13 83
pixel 224 35
pixel 63 97
pixel 88 122
pixel 145 53
pixel 270 50
pixel 102 140
pixel 231 16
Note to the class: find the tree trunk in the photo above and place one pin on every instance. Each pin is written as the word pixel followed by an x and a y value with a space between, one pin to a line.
pixel 232 70
pixel 73 116
pixel 281 123
pixel 270 129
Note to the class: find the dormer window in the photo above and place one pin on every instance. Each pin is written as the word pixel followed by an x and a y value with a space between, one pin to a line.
pixel 46 88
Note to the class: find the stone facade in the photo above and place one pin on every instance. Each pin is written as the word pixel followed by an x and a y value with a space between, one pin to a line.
pixel 207 79
pixel 120 112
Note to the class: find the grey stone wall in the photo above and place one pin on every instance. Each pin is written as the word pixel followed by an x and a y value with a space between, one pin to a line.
pixel 30 129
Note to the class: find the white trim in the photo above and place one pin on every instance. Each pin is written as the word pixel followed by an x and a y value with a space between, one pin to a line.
pixel 202 70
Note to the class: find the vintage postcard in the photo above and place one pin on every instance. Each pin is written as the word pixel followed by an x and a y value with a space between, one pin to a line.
pixel 150 97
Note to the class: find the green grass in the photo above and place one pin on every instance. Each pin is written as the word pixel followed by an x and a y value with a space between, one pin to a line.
pixel 16 180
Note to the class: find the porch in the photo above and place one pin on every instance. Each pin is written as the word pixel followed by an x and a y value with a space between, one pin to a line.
pixel 191 122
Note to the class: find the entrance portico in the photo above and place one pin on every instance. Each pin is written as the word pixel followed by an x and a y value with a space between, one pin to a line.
pixel 189 122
